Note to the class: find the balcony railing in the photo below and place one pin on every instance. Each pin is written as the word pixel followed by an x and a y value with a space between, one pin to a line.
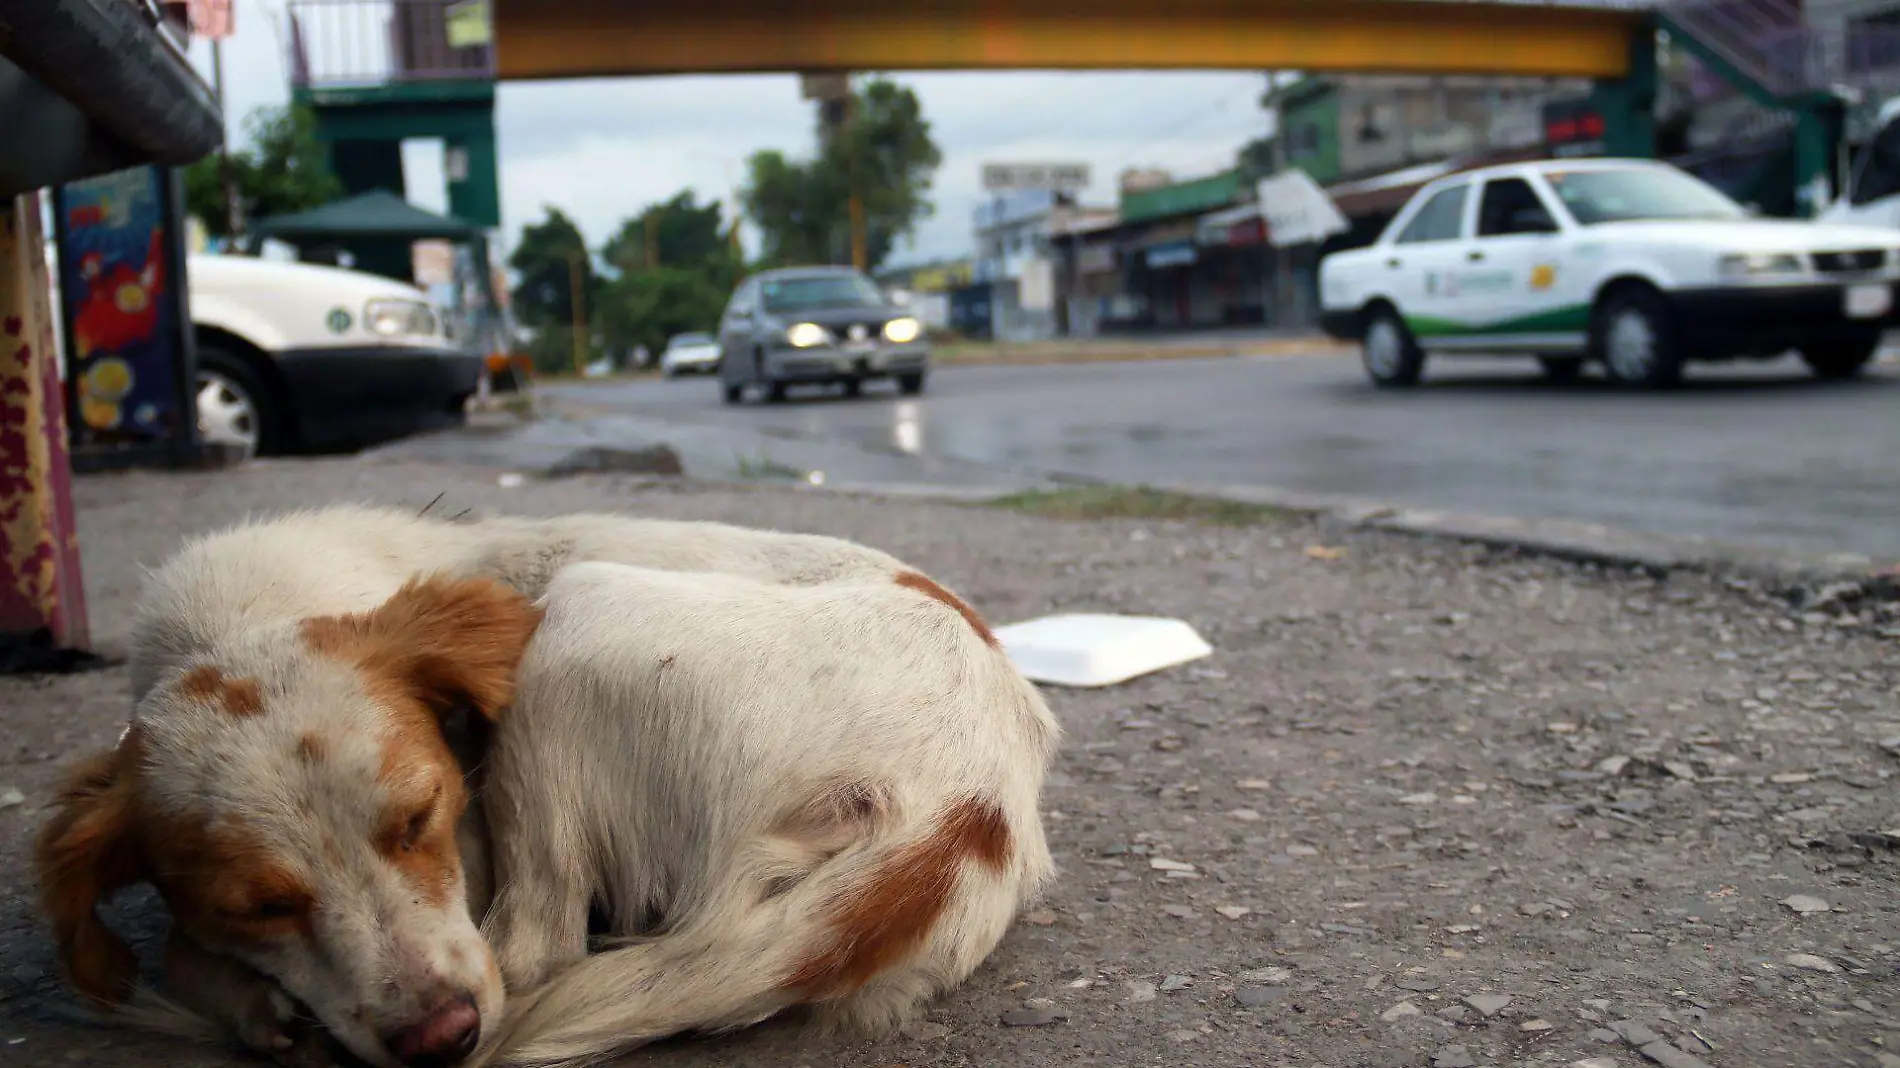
pixel 338 44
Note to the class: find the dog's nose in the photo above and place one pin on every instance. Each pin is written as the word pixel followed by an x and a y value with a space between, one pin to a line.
pixel 441 1038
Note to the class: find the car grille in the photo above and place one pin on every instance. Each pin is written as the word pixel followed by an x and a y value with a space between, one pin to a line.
pixel 860 332
pixel 1854 262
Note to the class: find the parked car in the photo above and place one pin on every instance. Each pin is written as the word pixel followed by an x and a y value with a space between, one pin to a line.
pixel 295 356
pixel 821 325
pixel 690 354
pixel 1630 263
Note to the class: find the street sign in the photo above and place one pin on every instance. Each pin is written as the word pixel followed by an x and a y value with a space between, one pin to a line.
pixel 1297 210
pixel 1054 177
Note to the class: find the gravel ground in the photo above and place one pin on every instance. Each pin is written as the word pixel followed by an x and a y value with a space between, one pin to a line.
pixel 1427 805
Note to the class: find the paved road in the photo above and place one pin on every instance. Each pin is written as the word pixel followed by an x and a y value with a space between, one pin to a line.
pixel 1758 454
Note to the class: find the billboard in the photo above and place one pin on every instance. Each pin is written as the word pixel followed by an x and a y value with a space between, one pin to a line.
pixel 1054 177
pixel 128 354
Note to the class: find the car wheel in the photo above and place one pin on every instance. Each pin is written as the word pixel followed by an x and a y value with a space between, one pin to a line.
pixel 1561 368
pixel 853 386
pixel 1840 359
pixel 1633 336
pixel 912 384
pixel 774 392
pixel 235 408
pixel 734 393
pixel 1390 353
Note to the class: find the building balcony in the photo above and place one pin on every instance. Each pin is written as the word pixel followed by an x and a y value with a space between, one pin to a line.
pixel 344 45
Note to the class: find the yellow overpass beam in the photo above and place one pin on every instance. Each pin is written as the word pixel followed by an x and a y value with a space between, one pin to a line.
pixel 537 39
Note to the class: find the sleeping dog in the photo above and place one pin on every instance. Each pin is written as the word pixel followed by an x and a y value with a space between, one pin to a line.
pixel 775 770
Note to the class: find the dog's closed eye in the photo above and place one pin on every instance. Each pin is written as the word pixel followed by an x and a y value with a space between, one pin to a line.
pixel 418 823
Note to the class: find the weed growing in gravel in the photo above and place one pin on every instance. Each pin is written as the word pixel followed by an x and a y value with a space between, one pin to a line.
pixel 1136 502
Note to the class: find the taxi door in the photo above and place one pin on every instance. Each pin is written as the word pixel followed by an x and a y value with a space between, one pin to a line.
pixel 1516 290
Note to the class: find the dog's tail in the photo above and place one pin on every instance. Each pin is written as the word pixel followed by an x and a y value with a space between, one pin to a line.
pixel 864 938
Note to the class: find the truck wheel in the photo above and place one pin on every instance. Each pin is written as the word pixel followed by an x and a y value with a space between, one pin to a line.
pixel 1632 334
pixel 235 407
pixel 1840 359
pixel 1391 355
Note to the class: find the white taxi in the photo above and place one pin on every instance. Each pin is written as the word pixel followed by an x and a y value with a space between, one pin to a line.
pixel 1631 263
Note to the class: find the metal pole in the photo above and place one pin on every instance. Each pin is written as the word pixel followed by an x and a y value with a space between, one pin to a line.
pixel 233 210
pixel 575 300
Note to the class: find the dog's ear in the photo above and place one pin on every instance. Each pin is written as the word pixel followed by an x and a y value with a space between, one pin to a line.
pixel 86 853
pixel 454 642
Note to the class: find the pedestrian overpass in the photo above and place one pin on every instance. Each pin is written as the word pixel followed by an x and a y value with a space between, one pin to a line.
pixel 544 39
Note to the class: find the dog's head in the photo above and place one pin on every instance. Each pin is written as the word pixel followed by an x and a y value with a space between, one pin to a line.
pixel 295 801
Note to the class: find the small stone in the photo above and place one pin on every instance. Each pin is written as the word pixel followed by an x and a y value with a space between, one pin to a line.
pixel 1463 928
pixel 1244 815
pixel 1139 991
pixel 1635 1032
pixel 1174 983
pixel 1301 851
pixel 11 797
pixel 1613 766
pixel 1399 1012
pixel 1535 1025
pixel 1680 770
pixel 1604 1034
pixel 1253 785
pixel 1164 864
pixel 1041 918
pixel 1417 986
pixel 1232 912
pixel 1031 1016
pixel 1180 912
pixel 1810 962
pixel 1488 1005
pixel 1421 799
pixel 1184 1035
pixel 1561 728
pixel 1268 976
pixel 1670 1057
pixel 1790 778
pixel 1595 1062
pixel 1805 904
pixel 1253 997
pixel 924 1031
pixel 1453 1057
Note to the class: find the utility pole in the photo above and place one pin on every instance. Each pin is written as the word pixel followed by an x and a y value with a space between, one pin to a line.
pixel 653 239
pixel 576 296
pixel 837 111
pixel 233 210
pixel 859 257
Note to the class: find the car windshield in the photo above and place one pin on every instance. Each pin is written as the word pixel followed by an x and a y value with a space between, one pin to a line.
pixel 686 341
pixel 1630 194
pixel 821 291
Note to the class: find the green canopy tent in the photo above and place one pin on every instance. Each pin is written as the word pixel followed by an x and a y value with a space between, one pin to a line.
pixel 379 229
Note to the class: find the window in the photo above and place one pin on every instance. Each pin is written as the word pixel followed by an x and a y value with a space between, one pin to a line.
pixel 1440 219
pixel 1879 173
pixel 743 300
pixel 821 291
pixel 1511 206
pixel 1626 194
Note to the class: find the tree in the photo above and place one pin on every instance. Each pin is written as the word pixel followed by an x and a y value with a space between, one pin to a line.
pixel 1256 159
pixel 283 169
pixel 544 262
pixel 686 234
pixel 646 307
pixel 883 150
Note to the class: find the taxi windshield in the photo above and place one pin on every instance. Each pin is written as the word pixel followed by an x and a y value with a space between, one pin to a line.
pixel 1630 194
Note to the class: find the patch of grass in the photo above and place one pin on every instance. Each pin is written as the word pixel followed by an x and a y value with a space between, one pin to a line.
pixel 1136 502
pixel 762 468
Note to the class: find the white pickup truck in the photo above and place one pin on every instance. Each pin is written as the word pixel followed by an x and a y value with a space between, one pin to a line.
pixel 1630 263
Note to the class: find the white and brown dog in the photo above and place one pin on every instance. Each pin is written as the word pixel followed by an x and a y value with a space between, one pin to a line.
pixel 773 770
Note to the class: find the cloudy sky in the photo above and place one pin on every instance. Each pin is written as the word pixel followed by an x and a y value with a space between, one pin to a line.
pixel 601 150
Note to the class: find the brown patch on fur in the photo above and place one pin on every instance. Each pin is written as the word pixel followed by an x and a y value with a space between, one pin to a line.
pixel 888 916
pixel 85 854
pixel 929 588
pixel 311 748
pixel 448 641
pixel 222 877
pixel 239 696
pixel 438 645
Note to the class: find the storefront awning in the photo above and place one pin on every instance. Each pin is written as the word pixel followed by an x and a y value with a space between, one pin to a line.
pixel 1238 225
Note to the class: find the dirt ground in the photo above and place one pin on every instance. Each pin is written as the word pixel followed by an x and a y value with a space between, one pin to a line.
pixel 1427 805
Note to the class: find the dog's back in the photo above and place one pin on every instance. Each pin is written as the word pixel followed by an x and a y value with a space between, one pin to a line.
pixel 823 795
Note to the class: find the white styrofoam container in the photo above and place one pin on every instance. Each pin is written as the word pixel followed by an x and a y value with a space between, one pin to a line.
pixel 1099 650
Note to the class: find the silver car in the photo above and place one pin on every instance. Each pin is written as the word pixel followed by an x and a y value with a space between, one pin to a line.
pixel 818 325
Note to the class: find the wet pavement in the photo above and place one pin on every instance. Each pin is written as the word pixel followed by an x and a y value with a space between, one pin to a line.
pixel 1747 454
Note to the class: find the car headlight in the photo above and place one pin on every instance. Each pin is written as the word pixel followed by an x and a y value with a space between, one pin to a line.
pixel 1759 264
pixel 390 318
pixel 902 331
pixel 807 336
